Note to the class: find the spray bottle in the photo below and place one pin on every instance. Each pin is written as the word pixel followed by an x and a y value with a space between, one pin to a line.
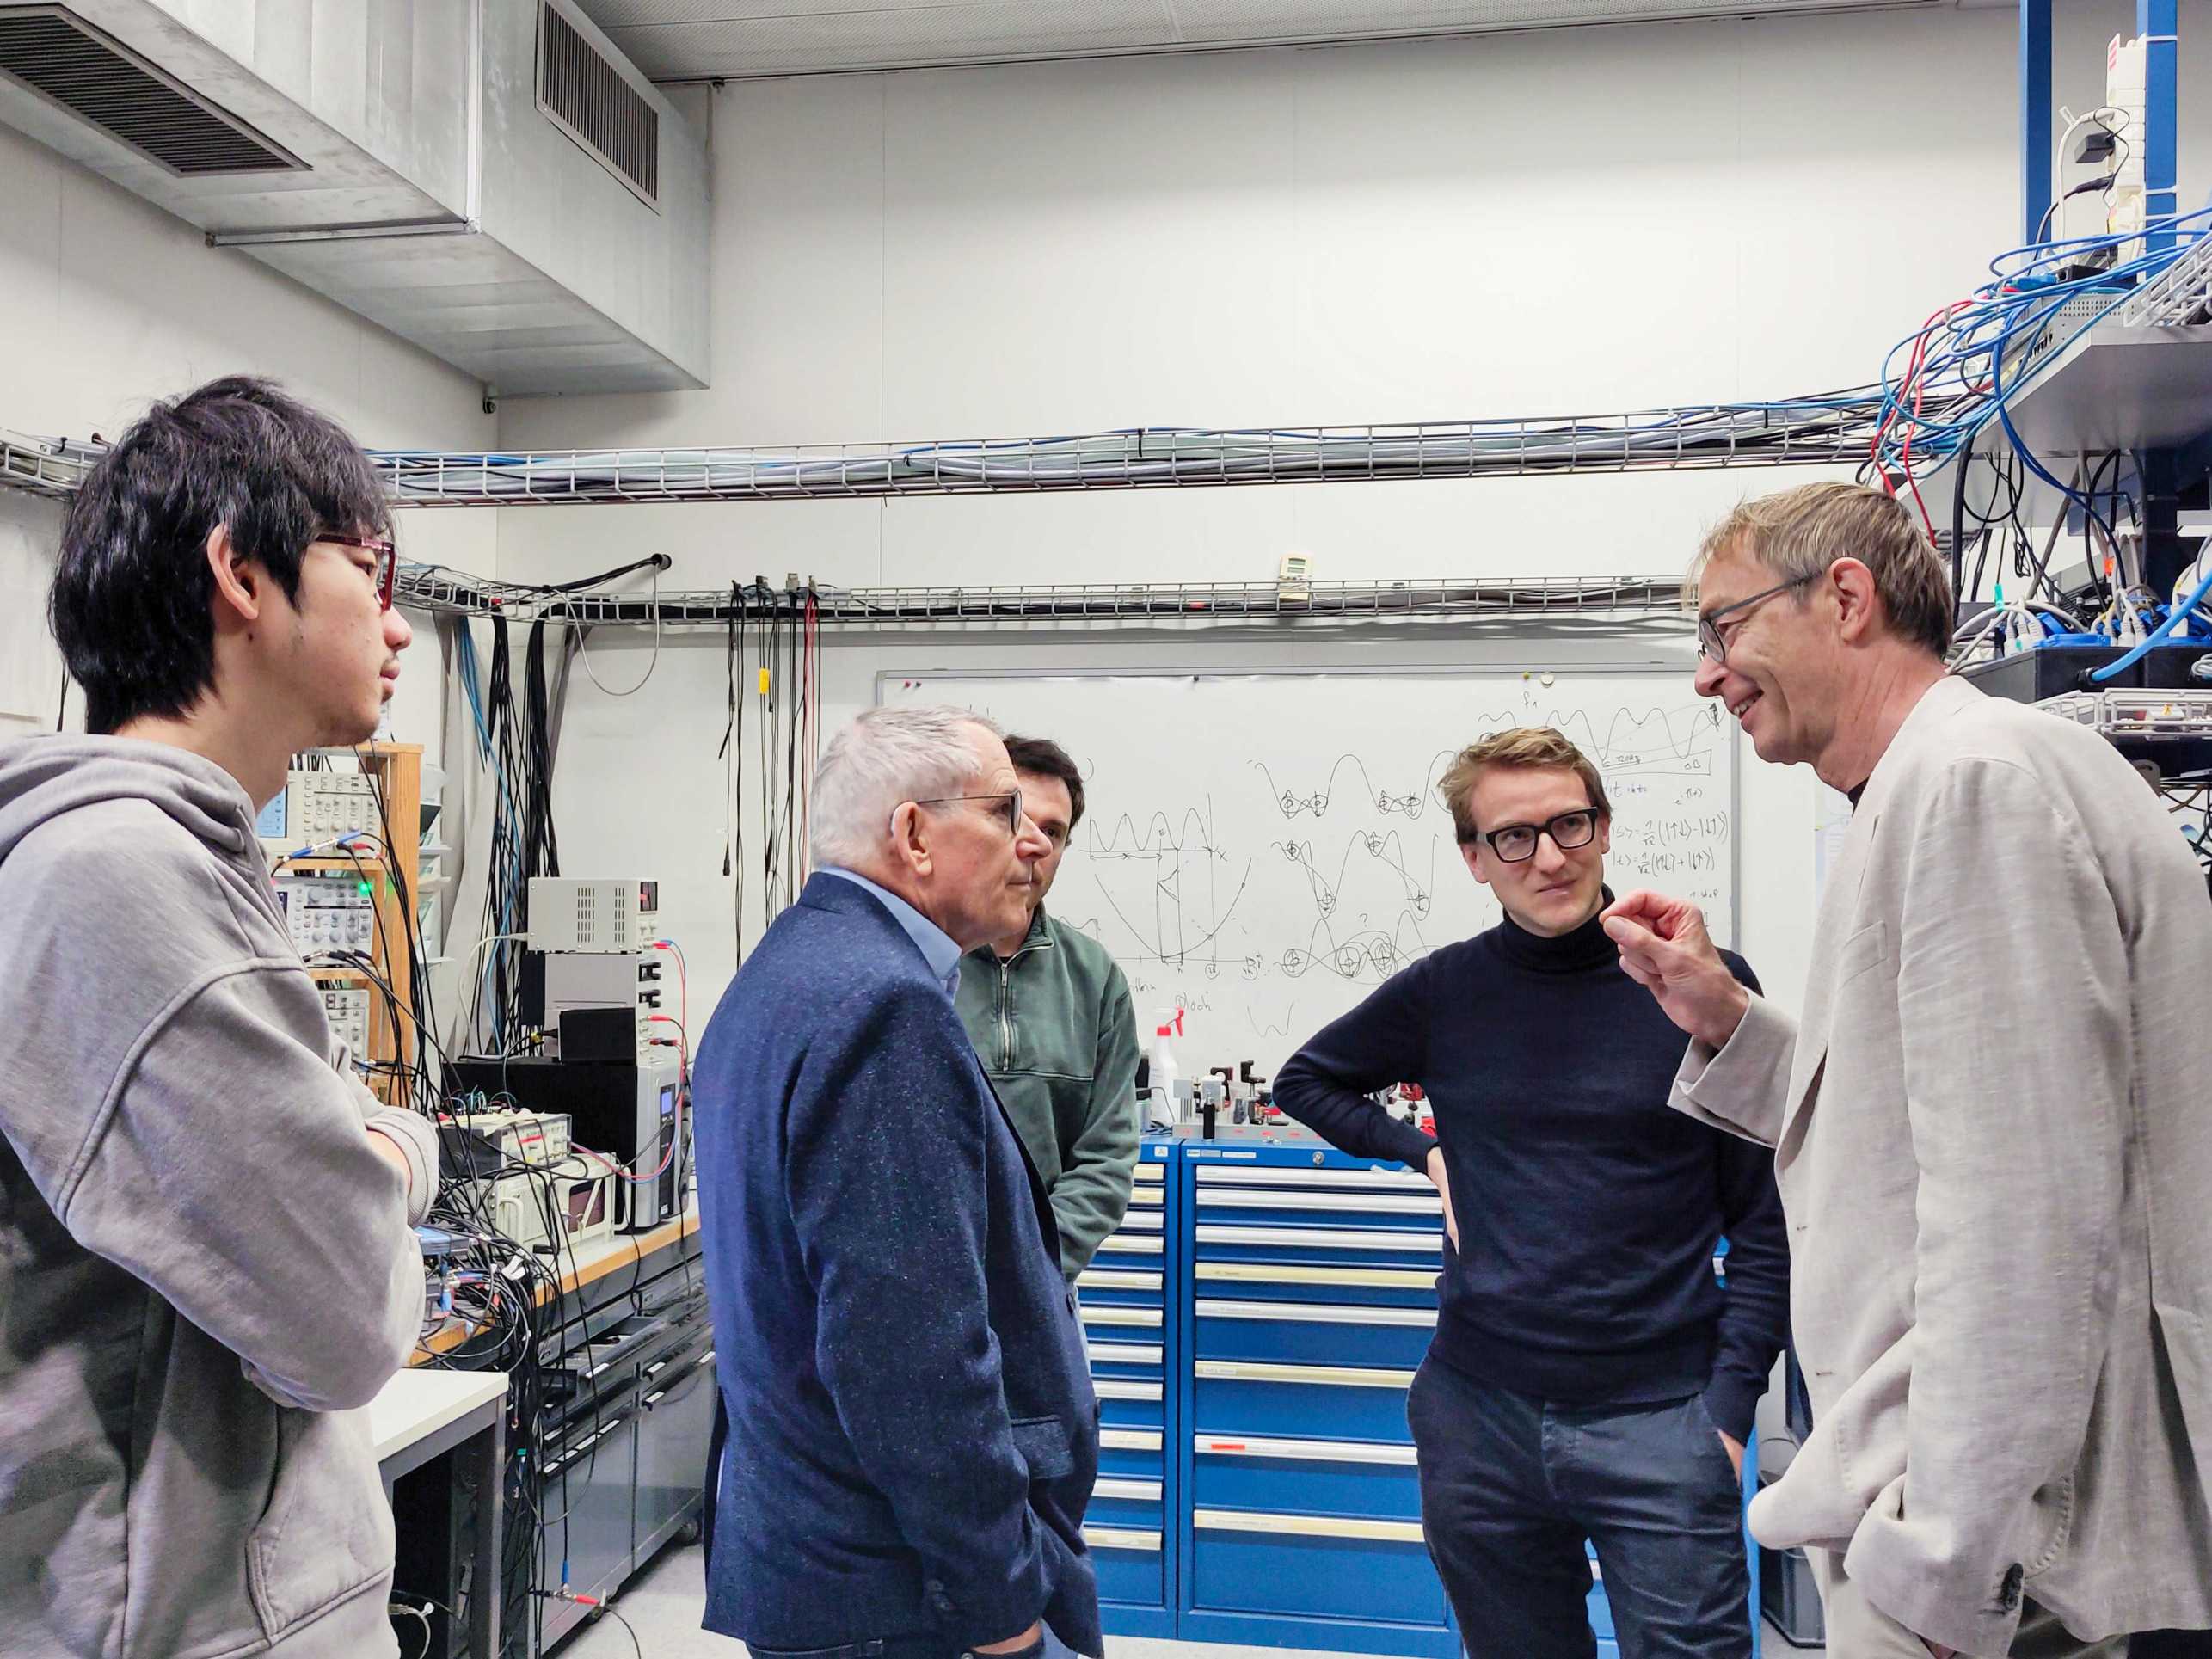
pixel 1163 1071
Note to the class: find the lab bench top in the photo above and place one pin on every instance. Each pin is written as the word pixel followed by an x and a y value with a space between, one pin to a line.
pixel 415 1405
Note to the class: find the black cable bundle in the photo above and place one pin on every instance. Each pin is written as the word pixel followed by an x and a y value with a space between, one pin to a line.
pixel 790 690
pixel 524 842
pixel 506 908
pixel 772 650
pixel 732 754
pixel 541 851
pixel 770 848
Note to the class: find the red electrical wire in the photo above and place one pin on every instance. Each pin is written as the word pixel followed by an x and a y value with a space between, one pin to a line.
pixel 683 979
pixel 810 703
pixel 1915 378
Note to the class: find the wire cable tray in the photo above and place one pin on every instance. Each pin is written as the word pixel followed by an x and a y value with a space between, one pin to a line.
pixel 1810 433
pixel 2178 296
pixel 440 591
pixel 1828 430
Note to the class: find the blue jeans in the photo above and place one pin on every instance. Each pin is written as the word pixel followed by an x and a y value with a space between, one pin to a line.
pixel 1511 1487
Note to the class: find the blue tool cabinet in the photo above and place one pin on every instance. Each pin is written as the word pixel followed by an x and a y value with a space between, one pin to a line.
pixel 1253 1327
pixel 1126 1299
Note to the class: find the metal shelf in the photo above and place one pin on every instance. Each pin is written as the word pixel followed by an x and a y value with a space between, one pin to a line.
pixel 2118 388
pixel 2133 390
pixel 445 592
pixel 39 466
pixel 2146 716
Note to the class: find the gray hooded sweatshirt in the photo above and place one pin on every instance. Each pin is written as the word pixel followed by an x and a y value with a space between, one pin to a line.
pixel 205 1265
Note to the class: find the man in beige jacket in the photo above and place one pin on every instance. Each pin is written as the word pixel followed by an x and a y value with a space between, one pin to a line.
pixel 1990 1125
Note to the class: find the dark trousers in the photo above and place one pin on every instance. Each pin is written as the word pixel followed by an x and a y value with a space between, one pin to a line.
pixel 1512 1486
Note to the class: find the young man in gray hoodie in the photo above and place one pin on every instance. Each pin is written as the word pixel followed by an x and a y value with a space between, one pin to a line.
pixel 205 1263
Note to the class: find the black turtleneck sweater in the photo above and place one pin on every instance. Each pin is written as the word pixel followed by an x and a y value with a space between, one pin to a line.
pixel 1587 1207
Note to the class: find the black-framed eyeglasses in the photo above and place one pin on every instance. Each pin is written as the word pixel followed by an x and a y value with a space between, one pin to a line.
pixel 387 552
pixel 1712 642
pixel 1012 797
pixel 1516 843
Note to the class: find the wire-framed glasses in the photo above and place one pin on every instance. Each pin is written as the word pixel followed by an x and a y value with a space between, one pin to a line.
pixel 1712 642
pixel 1011 798
pixel 387 552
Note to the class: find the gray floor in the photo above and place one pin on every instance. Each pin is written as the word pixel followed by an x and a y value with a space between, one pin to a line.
pixel 662 1605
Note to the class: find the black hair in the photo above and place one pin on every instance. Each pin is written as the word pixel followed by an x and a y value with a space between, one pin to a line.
pixel 132 596
pixel 1043 758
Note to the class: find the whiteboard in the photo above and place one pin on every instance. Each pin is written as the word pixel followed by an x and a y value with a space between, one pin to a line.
pixel 1260 851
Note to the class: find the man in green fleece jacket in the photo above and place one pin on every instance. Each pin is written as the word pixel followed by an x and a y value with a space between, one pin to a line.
pixel 1050 1017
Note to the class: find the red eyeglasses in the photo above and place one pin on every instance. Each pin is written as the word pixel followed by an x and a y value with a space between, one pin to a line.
pixel 387 553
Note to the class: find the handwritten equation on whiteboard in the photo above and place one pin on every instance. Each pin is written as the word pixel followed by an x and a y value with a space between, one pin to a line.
pixel 1261 851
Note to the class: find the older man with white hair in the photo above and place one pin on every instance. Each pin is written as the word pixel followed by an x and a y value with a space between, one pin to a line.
pixel 909 1433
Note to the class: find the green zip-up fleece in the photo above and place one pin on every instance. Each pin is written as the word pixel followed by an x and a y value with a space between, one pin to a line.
pixel 1053 1028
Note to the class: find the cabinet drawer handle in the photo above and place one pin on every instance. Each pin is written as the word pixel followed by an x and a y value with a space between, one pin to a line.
pixel 1331 1376
pixel 1122 1353
pixel 1317 1313
pixel 1121 1537
pixel 1118 1388
pixel 1132 1491
pixel 1129 1440
pixel 1416 1241
pixel 1109 1279
pixel 1221 1174
pixel 1104 1313
pixel 1370 1203
pixel 1304 1451
pixel 1260 1272
pixel 1236 1521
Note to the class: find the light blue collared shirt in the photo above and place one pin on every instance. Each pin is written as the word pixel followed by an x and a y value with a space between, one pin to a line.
pixel 936 945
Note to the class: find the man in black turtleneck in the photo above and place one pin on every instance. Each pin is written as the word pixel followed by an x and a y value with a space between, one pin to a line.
pixel 1588 1378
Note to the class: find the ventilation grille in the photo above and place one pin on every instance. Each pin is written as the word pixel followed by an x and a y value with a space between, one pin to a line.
pixel 68 63
pixel 587 97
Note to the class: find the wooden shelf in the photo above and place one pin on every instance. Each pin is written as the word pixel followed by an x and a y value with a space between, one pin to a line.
pixel 372 863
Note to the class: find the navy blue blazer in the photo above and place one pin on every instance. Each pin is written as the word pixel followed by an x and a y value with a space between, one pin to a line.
pixel 912 1432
